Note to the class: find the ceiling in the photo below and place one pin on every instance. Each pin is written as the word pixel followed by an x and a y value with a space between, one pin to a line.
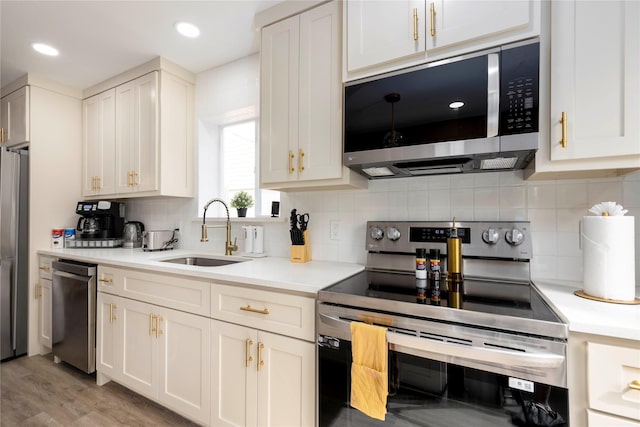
pixel 99 39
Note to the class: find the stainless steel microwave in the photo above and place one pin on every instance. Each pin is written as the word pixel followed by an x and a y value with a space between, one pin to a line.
pixel 473 113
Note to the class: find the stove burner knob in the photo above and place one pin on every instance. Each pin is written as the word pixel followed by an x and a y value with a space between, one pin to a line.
pixel 490 236
pixel 514 237
pixel 376 233
pixel 393 234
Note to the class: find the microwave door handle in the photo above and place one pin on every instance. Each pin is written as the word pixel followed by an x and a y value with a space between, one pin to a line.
pixel 493 94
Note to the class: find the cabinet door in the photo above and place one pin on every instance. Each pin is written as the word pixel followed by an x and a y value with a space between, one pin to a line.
pixel 184 342
pixel 98 144
pixel 108 335
pixel 319 153
pixel 45 312
pixel 138 351
pixel 595 79
pixel 279 65
pixel 233 379
pixel 454 21
pixel 286 381
pixel 382 31
pixel 15 117
pixel 136 134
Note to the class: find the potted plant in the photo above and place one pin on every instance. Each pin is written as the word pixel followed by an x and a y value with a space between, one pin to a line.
pixel 241 201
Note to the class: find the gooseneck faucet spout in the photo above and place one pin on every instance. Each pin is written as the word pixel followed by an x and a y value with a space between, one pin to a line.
pixel 228 247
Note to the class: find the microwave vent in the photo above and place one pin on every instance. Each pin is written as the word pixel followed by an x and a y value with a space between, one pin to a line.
pixel 498 163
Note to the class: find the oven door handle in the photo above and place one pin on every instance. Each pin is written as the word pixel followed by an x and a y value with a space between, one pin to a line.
pixel 477 354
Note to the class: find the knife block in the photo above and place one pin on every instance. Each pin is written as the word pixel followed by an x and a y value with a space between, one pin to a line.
pixel 302 253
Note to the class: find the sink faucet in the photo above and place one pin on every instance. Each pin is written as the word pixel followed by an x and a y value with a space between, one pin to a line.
pixel 228 246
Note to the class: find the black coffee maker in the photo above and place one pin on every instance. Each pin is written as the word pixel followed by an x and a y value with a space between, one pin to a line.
pixel 100 219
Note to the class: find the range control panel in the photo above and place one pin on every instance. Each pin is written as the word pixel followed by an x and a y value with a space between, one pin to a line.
pixel 486 239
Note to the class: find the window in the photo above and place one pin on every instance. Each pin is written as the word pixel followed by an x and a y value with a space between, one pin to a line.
pixel 238 158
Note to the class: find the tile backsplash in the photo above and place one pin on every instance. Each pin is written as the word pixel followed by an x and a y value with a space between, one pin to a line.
pixel 554 208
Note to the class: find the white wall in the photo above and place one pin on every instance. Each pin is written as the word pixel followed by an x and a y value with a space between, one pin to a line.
pixel 553 207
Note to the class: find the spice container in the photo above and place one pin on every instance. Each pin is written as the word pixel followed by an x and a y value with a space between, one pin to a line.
pixel 421 263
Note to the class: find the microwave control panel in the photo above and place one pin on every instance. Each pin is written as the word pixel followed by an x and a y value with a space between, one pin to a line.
pixel 519 89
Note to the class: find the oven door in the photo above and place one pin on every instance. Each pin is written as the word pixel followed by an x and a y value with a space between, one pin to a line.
pixel 439 389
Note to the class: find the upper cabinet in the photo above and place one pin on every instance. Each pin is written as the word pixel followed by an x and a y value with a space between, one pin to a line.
pixel 595 90
pixel 383 31
pixel 301 103
pixel 384 35
pixel 14 117
pixel 138 137
pixel 98 160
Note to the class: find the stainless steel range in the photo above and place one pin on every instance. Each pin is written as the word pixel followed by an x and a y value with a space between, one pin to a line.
pixel 496 356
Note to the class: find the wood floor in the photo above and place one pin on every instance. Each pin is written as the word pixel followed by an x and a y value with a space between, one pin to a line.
pixel 37 392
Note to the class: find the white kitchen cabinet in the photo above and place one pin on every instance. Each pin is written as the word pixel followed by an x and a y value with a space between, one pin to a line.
pixel 595 84
pixel 98 157
pixel 601 371
pixel 14 117
pixel 301 103
pixel 383 31
pixel 153 151
pixel 402 33
pixel 107 334
pixel 451 22
pixel 260 378
pixel 43 295
pixel 136 135
pixel 161 353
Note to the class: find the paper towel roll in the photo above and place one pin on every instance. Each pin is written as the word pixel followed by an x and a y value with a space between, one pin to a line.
pixel 608 257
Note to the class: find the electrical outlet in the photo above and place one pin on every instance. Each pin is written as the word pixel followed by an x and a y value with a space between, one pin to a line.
pixel 334 230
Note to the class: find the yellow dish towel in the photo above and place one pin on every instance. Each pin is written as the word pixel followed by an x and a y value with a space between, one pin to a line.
pixel 369 378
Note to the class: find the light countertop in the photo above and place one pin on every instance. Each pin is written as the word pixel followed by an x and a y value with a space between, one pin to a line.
pixel 268 272
pixel 588 316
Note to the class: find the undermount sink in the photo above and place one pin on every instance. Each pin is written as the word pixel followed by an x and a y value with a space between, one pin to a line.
pixel 202 261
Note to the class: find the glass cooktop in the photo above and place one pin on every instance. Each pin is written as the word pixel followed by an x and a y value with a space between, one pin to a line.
pixel 481 303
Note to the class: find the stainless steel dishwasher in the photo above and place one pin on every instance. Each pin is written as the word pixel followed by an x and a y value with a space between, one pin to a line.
pixel 74 314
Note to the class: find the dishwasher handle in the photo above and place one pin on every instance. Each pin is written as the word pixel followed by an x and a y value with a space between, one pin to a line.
pixel 75 267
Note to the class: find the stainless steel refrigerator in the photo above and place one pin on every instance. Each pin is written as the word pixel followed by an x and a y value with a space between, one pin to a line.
pixel 14 250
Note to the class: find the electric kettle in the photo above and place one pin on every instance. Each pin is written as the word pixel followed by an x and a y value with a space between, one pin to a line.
pixel 132 234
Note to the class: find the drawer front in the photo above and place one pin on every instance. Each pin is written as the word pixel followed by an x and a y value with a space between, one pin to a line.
pixel 285 314
pixel 611 372
pixel 596 419
pixel 44 267
pixel 177 292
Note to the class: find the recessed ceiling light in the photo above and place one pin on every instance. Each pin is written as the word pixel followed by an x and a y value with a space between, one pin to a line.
pixel 455 105
pixel 45 49
pixel 187 29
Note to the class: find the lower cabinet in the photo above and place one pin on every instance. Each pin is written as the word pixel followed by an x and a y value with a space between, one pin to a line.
pixel 260 378
pixel 158 352
pixel 43 293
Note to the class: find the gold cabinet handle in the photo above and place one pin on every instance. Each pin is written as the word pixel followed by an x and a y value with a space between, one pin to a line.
pixel 93 183
pixel 44 268
pixel 248 358
pixel 432 15
pixel 300 159
pixel 635 385
pixel 134 179
pixel 129 179
pixel 111 316
pixel 105 280
pixel 260 361
pixel 415 24
pixel 291 156
pixel 1 134
pixel 563 122
pixel 37 293
pixel 255 310
pixel 158 330
pixel 151 322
